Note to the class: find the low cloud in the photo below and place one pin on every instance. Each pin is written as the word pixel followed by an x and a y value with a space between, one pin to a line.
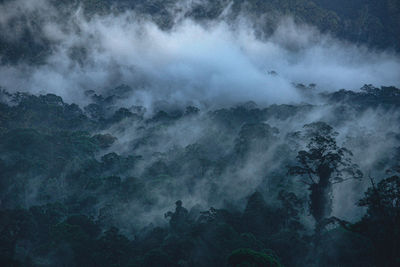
pixel 216 63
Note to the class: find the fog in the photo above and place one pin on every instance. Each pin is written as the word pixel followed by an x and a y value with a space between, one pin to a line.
pixel 211 65
pixel 237 113
pixel 218 63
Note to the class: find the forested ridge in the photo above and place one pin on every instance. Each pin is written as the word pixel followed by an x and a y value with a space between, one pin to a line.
pixel 200 133
pixel 68 198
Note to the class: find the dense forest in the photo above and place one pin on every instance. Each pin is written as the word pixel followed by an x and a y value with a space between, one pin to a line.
pixel 126 140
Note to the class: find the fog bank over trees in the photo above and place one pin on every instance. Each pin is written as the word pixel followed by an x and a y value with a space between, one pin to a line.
pixel 199 133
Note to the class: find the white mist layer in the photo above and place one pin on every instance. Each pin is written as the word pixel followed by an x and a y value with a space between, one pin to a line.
pixel 217 64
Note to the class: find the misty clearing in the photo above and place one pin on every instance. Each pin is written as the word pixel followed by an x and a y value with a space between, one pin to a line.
pixel 200 133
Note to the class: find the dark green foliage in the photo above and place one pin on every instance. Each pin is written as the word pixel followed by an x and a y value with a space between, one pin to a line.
pixel 258 218
pixel 369 96
pixel 323 164
pixel 46 112
pixel 341 247
pixel 178 220
pixel 72 194
pixel 157 258
pixel 381 223
pixel 255 136
pixel 250 258
pixel 383 200
pixel 68 198
pixel 104 140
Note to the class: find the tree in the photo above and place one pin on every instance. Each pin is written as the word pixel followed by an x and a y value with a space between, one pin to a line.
pixel 291 206
pixel 179 220
pixel 382 220
pixel 248 257
pixel 321 165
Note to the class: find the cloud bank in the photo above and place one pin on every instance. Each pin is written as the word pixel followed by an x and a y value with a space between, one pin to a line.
pixel 216 63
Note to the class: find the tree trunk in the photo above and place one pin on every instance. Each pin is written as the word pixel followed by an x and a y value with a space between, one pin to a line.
pixel 320 201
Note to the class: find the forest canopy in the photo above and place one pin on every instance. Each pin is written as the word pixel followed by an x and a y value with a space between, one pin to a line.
pixel 199 133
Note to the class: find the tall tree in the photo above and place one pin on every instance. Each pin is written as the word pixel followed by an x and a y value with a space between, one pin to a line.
pixel 322 164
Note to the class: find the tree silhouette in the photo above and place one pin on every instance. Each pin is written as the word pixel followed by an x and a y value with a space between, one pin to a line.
pixel 382 220
pixel 321 165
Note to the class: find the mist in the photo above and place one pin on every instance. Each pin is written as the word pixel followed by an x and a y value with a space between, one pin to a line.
pixel 218 63
pixel 211 64
pixel 130 110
